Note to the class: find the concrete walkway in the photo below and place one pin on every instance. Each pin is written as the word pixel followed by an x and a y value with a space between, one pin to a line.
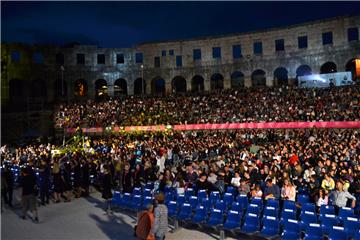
pixel 82 218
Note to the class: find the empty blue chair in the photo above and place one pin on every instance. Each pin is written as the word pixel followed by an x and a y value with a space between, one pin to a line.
pixel 172 209
pixel 116 199
pixel 149 185
pixel 189 192
pixel 327 222
pixel 214 196
pixel 308 207
pixel 207 204
pixel 291 230
pixel 147 192
pixel 135 203
pixel 185 212
pixel 216 218
pixel 243 200
pixel 303 199
pixel 233 220
pixel 289 205
pixel 180 199
pixel 307 218
pixel 125 200
pixel 146 201
pixel 257 201
pixel 271 211
pixel 235 206
pixel 200 214
pixel 201 194
pixel 168 189
pixel 313 232
pixel 345 212
pixel 327 209
pixel 228 199
pixel 287 214
pixel 254 209
pixel 352 227
pixel 337 233
pixel 221 205
pixel 230 189
pixel 273 203
pixel 136 191
pixel 169 196
pixel 193 200
pixel 251 223
pixel 271 226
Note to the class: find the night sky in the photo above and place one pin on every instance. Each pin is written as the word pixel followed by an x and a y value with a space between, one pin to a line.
pixel 124 24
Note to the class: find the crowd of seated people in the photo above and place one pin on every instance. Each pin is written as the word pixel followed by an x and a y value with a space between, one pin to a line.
pixel 282 104
pixel 261 163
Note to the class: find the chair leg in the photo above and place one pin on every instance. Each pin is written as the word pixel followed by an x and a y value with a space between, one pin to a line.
pixel 222 234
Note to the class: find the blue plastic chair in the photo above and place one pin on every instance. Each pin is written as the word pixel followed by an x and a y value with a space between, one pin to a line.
pixel 257 201
pixel 216 218
pixel 252 208
pixel 287 214
pixel 189 192
pixel 116 199
pixel 146 192
pixel 221 205
pixel 201 194
pixel 207 204
pixel 230 189
pixel 327 209
pixel 185 212
pixel 228 199
pixel 307 218
pixel 193 200
pixel 313 232
pixel 180 199
pixel 233 220
pixel 251 223
pixel 271 211
pixel 273 203
pixel 172 209
pixel 352 226
pixel 303 199
pixel 235 206
pixel 271 226
pixel 337 233
pixel 214 196
pixel 243 200
pixel 125 200
pixel 308 207
pixel 135 203
pixel 146 201
pixel 291 230
pixel 200 214
pixel 137 191
pixel 290 205
pixel 327 222
pixel 345 212
pixel 169 196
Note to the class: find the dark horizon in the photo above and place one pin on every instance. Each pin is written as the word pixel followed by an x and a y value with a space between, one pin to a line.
pixel 99 23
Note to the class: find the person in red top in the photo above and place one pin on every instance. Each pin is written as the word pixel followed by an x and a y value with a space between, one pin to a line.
pixel 293 159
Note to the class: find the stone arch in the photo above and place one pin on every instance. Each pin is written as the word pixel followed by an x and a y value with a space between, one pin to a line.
pixel 237 79
pixel 38 88
pixel 16 89
pixel 178 84
pixel 302 70
pixel 80 88
pixel 328 67
pixel 158 85
pixel 101 89
pixel 138 86
pixel 120 87
pixel 197 83
pixel 351 67
pixel 216 81
pixel 258 78
pixel 58 88
pixel 281 76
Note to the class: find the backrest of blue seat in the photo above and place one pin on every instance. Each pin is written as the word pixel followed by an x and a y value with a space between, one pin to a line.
pixel 185 208
pixel 271 222
pixel 292 225
pixel 337 232
pixel 257 201
pixel 289 205
pixel 202 194
pixel 214 195
pixel 216 214
pixel 345 212
pixel 352 223
pixel 273 203
pixel 310 207
pixel 327 209
pixel 252 219
pixel 313 229
pixel 308 216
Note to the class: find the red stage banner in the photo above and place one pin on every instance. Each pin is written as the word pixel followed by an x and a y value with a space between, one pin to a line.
pixel 222 126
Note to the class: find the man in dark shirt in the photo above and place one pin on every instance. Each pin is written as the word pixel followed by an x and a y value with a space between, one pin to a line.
pixel 271 190
pixel 28 199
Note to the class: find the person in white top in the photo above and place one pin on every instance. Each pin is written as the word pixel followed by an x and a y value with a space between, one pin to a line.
pixel 288 191
pixel 322 199
pixel 235 181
